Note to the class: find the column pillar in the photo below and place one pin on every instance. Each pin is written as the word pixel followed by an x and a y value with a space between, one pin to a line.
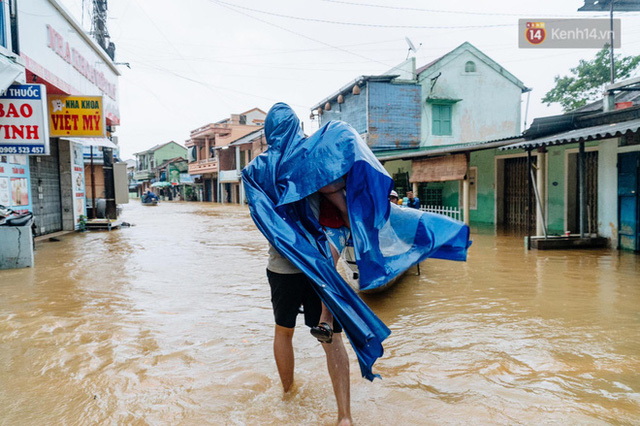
pixel 540 184
pixel 238 153
pixel 582 189
pixel 466 195
pixel 466 199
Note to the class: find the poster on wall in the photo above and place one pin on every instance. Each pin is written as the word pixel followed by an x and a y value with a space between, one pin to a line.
pixel 23 120
pixel 77 116
pixel 79 193
pixel 15 191
pixel 174 175
pixel 19 192
pixel 5 192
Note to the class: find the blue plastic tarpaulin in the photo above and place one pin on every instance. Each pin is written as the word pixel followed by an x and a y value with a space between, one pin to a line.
pixel 387 239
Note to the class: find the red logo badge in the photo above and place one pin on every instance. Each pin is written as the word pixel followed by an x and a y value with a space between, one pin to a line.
pixel 535 32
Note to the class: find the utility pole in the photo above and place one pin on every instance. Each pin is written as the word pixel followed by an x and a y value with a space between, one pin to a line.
pixel 613 65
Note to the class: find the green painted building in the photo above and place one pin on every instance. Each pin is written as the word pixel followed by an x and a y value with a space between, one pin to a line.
pixel 148 161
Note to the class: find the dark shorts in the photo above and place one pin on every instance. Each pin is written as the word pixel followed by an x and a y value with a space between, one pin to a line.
pixel 288 292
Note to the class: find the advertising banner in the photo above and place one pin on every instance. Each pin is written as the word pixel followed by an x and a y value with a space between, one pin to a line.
pixel 14 183
pixel 23 122
pixel 174 174
pixel 76 116
pixel 77 162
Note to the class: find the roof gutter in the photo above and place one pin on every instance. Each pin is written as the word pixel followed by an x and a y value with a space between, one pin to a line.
pixel 445 150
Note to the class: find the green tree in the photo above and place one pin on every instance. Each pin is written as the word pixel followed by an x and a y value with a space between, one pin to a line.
pixel 588 80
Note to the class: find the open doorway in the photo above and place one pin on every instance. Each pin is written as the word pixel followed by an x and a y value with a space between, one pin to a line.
pixel 512 194
pixel 573 194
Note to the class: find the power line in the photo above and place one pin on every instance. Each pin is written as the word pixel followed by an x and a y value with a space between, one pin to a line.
pixel 210 86
pixel 174 48
pixel 454 12
pixel 271 52
pixel 232 7
pixel 358 24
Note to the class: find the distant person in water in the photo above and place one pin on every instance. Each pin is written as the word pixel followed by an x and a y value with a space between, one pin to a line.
pixel 149 196
pixel 393 197
pixel 413 202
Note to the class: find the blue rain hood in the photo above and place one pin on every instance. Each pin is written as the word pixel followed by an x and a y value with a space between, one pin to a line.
pixel 387 239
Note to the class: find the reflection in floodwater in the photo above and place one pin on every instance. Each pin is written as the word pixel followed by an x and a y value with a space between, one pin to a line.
pixel 169 322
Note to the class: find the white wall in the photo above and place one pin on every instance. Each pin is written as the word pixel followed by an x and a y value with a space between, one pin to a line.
pixel 490 105
pixel 608 190
pixel 255 115
pixel 100 76
pixel 406 70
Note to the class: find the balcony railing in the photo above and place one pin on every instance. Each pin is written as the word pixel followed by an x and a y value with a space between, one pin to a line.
pixel 209 165
pixel 143 174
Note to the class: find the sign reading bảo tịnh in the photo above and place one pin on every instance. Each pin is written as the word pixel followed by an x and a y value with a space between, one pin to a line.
pixel 23 120
pixel 78 116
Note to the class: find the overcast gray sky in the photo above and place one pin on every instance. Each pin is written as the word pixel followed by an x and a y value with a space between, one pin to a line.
pixel 197 61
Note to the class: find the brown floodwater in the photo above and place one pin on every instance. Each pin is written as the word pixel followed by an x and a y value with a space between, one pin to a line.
pixel 169 322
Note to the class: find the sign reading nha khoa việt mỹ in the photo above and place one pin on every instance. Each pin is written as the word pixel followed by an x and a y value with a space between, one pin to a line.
pixel 77 116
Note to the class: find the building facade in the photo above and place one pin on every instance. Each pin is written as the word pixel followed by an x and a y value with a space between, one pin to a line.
pixel 206 141
pixel 601 199
pixel 148 162
pixel 232 159
pixel 383 109
pixel 466 99
pixel 62 60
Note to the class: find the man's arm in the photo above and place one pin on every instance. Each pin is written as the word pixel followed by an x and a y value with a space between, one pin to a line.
pixel 334 192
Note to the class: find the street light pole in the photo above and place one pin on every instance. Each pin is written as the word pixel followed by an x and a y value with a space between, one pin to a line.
pixel 613 71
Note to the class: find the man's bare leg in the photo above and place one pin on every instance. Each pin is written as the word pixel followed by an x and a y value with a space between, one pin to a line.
pixel 325 315
pixel 338 365
pixel 283 352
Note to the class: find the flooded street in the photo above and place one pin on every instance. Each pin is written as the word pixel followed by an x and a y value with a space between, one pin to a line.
pixel 169 322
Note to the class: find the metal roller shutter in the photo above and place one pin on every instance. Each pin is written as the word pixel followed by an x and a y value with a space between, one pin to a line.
pixel 45 191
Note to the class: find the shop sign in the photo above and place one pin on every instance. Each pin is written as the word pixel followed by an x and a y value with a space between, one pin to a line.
pixel 77 116
pixel 174 175
pixel 57 43
pixel 15 187
pixel 23 125
pixel 77 161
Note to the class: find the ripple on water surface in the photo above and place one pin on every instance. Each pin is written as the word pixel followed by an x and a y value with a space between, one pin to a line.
pixel 169 321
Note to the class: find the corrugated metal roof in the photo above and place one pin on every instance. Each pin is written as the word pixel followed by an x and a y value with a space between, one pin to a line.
pixel 432 151
pixel 626 96
pixel 580 135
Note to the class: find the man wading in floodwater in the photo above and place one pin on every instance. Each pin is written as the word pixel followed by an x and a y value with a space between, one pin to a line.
pixel 283 187
pixel 290 289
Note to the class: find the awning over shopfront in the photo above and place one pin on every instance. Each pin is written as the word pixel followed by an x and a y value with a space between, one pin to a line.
pixel 10 72
pixel 439 169
pixel 104 142
pixel 579 135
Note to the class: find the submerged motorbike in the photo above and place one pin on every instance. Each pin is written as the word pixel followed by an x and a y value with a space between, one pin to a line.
pixel 10 217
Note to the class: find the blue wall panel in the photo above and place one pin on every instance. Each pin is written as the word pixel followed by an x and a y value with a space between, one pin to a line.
pixel 394 116
pixel 352 111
